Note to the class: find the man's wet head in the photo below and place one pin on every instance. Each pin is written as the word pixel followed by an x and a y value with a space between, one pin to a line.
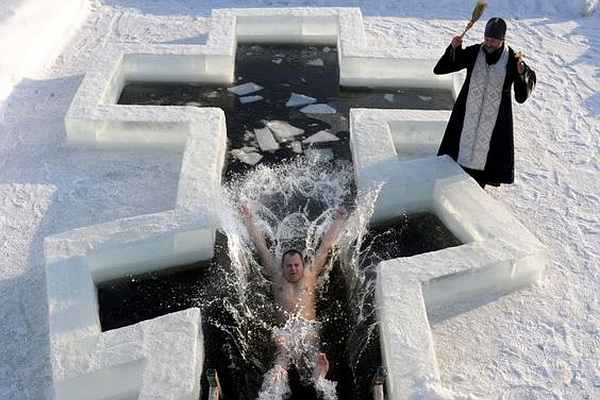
pixel 292 265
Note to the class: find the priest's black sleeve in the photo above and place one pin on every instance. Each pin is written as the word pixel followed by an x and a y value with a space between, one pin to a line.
pixel 451 61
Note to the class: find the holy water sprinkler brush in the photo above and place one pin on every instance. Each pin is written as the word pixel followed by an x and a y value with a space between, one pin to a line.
pixel 477 13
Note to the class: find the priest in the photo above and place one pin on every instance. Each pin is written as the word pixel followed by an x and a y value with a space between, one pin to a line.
pixel 479 134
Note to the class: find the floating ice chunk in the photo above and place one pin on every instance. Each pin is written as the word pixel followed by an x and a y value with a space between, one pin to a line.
pixel 425 98
pixel 297 100
pixel 277 60
pixel 245 88
pixel 296 147
pixel 283 131
pixel 247 155
pixel 318 109
pixel 321 137
pixel 322 155
pixel 249 135
pixel 326 49
pixel 317 62
pixel 389 97
pixel 265 138
pixel 193 104
pixel 250 99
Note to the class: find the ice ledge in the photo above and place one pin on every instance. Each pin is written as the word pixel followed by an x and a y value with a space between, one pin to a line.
pixel 498 255
pixel 133 362
pixel 161 358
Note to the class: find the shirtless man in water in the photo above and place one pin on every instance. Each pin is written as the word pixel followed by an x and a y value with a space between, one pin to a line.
pixel 294 287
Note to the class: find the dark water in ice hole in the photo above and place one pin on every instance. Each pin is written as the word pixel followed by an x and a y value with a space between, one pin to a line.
pixel 203 285
pixel 280 70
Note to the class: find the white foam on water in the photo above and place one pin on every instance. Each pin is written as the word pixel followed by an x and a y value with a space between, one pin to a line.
pixel 248 157
pixel 320 155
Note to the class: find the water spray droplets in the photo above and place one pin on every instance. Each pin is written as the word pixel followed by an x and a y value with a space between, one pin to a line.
pixel 293 205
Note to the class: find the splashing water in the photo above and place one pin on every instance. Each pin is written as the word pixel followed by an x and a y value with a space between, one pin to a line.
pixel 298 340
pixel 293 205
pixel 275 385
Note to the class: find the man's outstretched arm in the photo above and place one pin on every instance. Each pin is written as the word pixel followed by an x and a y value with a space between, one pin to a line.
pixel 329 239
pixel 258 240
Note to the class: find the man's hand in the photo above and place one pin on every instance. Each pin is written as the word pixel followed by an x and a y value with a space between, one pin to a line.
pixel 340 214
pixel 258 240
pixel 245 212
pixel 329 239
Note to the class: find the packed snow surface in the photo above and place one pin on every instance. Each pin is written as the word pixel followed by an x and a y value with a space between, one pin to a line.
pixel 542 342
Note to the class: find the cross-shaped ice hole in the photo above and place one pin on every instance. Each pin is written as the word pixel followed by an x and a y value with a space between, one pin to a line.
pixel 162 358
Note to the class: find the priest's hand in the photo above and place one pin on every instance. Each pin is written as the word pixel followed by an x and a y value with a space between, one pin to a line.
pixel 456 42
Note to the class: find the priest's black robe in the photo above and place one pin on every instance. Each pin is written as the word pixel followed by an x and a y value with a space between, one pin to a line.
pixel 499 167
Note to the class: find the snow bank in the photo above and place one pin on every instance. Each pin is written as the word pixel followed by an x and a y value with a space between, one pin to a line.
pixel 33 33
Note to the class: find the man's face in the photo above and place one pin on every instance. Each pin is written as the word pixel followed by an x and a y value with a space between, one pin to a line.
pixel 492 44
pixel 293 267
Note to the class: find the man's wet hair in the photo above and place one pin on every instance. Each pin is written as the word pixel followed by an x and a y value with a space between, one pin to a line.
pixel 291 252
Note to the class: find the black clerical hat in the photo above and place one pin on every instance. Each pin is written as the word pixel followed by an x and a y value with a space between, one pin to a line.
pixel 495 28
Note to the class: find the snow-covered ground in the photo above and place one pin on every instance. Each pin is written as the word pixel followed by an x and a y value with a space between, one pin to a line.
pixel 542 342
